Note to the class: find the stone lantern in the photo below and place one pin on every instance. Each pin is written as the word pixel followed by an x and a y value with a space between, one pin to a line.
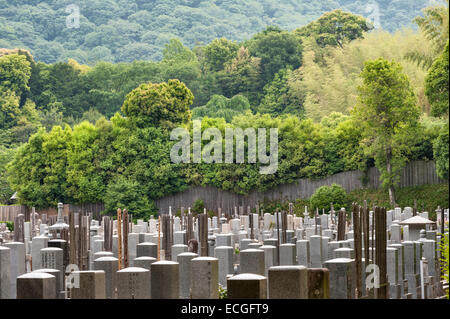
pixel 60 226
pixel 415 225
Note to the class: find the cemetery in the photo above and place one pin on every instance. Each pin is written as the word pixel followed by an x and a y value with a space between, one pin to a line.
pixel 244 253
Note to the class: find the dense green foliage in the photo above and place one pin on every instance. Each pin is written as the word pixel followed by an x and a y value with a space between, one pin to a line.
pixel 100 133
pixel 441 153
pixel 220 106
pixel 127 30
pixel 428 197
pixel 388 113
pixel 324 196
pixel 437 85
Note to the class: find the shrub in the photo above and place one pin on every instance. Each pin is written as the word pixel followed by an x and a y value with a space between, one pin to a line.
pixel 325 195
pixel 199 206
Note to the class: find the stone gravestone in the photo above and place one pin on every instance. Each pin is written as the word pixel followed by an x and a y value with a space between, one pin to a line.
pixel 341 280
pixel 5 273
pixel 109 265
pixel 133 283
pixel 58 285
pixel 252 262
pixel 17 263
pixel 165 280
pixel 36 286
pixel 52 258
pixel 318 283
pixel 92 285
pixel 288 282
pixel 38 243
pixel 184 261
pixel 225 256
pixel 247 286
pixel 205 278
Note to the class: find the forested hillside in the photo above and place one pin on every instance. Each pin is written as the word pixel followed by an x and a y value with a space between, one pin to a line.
pixel 341 93
pixel 127 30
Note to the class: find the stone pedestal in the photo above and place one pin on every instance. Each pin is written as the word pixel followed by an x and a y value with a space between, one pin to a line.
pixel 205 278
pixel 92 285
pixel 5 273
pixel 288 282
pixel 109 265
pixel 144 262
pixel 247 286
pixel 36 286
pixel 147 249
pixel 165 280
pixel 17 263
pixel 342 283
pixel 252 262
pixel 133 283
pixel 184 261
pixel 225 256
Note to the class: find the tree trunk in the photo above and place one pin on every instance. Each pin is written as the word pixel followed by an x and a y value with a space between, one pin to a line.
pixel 389 171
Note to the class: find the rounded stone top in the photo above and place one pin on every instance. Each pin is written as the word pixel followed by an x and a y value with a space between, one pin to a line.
pixel 134 269
pixel 106 258
pixel 51 249
pixel 291 267
pixel 104 253
pixel 189 254
pixel 4 248
pixel 14 243
pixel 180 245
pixel 287 245
pixel 88 271
pixel 305 241
pixel 344 249
pixel 267 246
pixel 36 275
pixel 57 240
pixel 145 258
pixel 165 262
pixel 147 244
pixel 223 247
pixel 40 236
pixel 338 260
pixel 205 259
pixel 247 277
pixel 252 250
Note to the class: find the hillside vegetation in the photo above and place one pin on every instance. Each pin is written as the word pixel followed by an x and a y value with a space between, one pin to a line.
pixel 127 30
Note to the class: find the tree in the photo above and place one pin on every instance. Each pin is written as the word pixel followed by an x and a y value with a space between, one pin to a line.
pixel 387 111
pixel 15 72
pixel 219 52
pixel 278 98
pixel 335 28
pixel 38 170
pixel 220 106
pixel 242 75
pixel 434 25
pixel 437 86
pixel 277 49
pixel 441 153
pixel 159 105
